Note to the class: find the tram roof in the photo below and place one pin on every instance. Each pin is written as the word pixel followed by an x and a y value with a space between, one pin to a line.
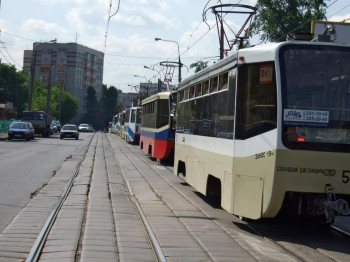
pixel 161 95
pixel 254 54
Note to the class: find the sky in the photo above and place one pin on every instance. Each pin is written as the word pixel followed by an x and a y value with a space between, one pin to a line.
pixel 128 38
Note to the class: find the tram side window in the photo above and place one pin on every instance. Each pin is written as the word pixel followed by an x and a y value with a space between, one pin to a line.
pixel 138 116
pixel 223 81
pixel 205 87
pixel 213 84
pixel 192 91
pixel 127 116
pixel 163 110
pixel 211 115
pixel 133 116
pixel 198 91
pixel 256 101
pixel 148 118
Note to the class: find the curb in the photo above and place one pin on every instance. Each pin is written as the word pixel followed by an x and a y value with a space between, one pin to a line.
pixel 3 136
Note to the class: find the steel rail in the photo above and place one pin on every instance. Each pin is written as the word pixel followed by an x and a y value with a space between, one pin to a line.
pixel 291 253
pixel 341 231
pixel 35 252
pixel 150 234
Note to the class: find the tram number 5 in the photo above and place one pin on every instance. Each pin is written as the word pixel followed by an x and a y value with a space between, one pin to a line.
pixel 346 176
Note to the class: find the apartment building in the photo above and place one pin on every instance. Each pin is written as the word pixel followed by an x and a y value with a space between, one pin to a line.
pixel 71 66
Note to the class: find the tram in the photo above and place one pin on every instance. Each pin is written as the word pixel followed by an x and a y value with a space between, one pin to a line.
pixel 132 123
pixel 114 124
pixel 157 136
pixel 120 124
pixel 269 128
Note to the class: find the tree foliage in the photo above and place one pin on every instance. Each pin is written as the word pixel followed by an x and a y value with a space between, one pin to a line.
pixel 199 65
pixel 109 102
pixel 13 86
pixel 70 104
pixel 276 20
pixel 92 107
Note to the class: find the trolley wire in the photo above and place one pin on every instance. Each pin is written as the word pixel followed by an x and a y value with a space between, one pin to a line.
pixel 108 20
pixel 2 43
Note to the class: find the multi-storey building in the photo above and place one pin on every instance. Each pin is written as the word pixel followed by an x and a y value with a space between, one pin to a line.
pixel 71 66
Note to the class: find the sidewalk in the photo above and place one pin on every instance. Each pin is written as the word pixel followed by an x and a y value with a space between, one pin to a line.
pixel 3 136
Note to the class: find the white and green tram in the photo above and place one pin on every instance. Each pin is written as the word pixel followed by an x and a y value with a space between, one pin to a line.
pixel 269 127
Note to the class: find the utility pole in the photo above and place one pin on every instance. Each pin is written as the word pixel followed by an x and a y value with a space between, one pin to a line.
pixel 31 89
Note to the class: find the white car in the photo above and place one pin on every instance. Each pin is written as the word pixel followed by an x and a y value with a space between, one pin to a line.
pixel 83 128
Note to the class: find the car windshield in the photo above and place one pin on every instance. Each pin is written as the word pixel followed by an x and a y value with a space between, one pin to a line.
pixel 69 128
pixel 19 125
pixel 84 125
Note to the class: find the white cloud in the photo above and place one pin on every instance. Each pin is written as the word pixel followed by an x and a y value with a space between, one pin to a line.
pixel 39 29
pixel 130 20
pixel 60 2
pixel 165 21
pixel 2 25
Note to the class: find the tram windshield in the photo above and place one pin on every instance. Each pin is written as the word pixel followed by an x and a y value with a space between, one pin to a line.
pixel 316 96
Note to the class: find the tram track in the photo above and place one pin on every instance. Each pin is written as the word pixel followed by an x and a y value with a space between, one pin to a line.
pixel 37 249
pixel 208 216
pixel 158 253
pixel 289 241
pixel 35 252
pixel 293 241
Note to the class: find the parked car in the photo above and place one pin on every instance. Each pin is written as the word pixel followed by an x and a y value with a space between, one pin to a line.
pixel 57 124
pixel 21 130
pixel 53 128
pixel 69 130
pixel 84 128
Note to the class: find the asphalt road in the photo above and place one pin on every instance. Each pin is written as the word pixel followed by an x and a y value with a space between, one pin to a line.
pixel 25 166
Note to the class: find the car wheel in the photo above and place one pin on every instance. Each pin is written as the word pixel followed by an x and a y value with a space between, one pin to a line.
pixel 61 137
pixel 77 138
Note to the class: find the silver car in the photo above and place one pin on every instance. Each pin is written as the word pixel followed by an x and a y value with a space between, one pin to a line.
pixel 69 130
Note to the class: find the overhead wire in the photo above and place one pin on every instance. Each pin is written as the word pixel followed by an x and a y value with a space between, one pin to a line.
pixel 2 43
pixel 4 57
pixel 108 20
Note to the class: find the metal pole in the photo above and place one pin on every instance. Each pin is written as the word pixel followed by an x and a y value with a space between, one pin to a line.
pixel 48 101
pixel 221 39
pixel 178 50
pixel 32 75
pixel 60 113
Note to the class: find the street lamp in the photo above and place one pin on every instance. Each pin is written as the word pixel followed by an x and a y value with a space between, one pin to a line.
pixel 32 72
pixel 178 50
pixel 153 70
pixel 146 83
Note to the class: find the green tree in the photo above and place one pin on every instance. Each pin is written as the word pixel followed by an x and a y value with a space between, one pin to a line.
pixel 109 102
pixel 276 20
pixel 93 109
pixel 13 86
pixel 199 65
pixel 70 104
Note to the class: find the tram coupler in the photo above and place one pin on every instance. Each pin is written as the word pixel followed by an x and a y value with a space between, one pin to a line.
pixel 333 207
